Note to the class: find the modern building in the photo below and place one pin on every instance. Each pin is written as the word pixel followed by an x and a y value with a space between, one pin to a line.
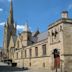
pixel 51 49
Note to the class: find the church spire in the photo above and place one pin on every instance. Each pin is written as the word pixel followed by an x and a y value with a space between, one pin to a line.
pixel 10 18
pixel 26 27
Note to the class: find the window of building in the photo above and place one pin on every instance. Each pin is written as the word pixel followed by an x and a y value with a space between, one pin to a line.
pixel 52 33
pixel 55 35
pixel 16 55
pixel 44 49
pixel 43 64
pixel 30 52
pixel 25 54
pixel 30 64
pixel 28 38
pixel 21 54
pixel 17 44
pixel 36 51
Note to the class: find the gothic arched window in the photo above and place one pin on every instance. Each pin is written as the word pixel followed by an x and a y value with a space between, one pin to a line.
pixel 52 33
pixel 55 33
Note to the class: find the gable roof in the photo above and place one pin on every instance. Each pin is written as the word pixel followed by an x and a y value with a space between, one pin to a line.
pixel 40 37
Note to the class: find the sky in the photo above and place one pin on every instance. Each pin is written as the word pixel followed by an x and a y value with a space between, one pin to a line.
pixel 38 13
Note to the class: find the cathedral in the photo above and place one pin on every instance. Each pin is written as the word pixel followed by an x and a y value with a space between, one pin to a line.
pixel 50 50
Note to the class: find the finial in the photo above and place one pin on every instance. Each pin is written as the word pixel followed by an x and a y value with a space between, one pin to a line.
pixel 37 28
pixel 10 3
pixel 64 14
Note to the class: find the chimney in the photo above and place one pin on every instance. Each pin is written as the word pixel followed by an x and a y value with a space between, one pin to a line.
pixel 64 14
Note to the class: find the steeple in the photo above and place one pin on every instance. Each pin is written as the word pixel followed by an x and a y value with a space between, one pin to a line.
pixel 37 32
pixel 26 27
pixel 10 18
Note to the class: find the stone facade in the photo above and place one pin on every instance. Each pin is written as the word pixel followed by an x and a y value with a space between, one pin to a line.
pixel 36 50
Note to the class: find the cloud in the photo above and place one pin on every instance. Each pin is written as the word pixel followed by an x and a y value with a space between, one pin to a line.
pixel 70 7
pixel 2 23
pixel 20 27
pixel 1 9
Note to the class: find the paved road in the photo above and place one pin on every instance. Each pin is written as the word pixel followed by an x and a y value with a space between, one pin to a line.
pixel 36 70
pixel 6 68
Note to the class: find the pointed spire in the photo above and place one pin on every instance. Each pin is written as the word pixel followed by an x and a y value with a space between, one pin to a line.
pixel 10 18
pixel 37 32
pixel 37 29
pixel 26 27
pixel 11 6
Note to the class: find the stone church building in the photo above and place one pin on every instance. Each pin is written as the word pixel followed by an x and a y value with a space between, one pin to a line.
pixel 51 49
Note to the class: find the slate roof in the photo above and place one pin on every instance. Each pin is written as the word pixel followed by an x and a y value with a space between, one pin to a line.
pixel 40 37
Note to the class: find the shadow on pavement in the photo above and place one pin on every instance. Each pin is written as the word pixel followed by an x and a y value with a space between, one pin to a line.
pixel 11 69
